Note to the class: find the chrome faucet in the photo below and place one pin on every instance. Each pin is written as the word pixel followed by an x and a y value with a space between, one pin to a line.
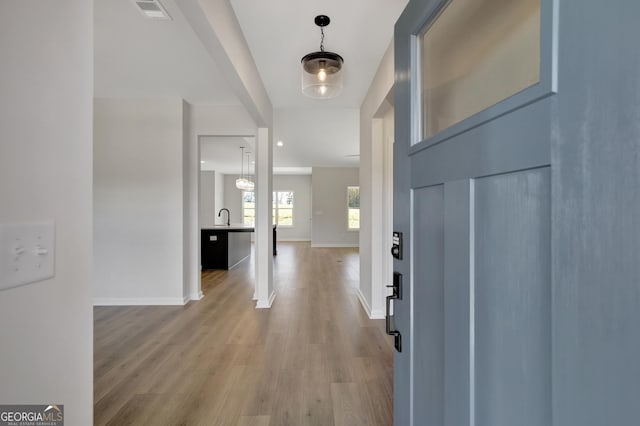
pixel 228 214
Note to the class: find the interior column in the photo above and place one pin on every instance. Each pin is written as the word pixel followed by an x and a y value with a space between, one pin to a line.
pixel 264 291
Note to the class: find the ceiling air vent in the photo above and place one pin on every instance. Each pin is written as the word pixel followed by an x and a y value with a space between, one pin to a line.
pixel 152 9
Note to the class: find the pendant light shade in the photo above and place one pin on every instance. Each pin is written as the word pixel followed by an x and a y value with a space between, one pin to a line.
pixel 243 182
pixel 322 70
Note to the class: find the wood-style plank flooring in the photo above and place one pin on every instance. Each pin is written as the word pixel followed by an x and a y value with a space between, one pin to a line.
pixel 314 358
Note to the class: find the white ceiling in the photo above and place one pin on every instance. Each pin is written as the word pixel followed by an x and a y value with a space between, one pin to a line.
pixel 330 139
pixel 222 154
pixel 317 137
pixel 281 32
pixel 136 57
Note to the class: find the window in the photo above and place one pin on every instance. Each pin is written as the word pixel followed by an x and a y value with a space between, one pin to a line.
pixel 476 54
pixel 353 207
pixel 249 208
pixel 282 208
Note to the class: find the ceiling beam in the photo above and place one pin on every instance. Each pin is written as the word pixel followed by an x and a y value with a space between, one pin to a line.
pixel 216 25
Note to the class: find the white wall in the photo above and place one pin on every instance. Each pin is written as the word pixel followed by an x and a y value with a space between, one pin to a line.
pixel 218 195
pixel 301 187
pixel 232 199
pixel 374 245
pixel 46 328
pixel 329 204
pixel 207 198
pixel 138 201
pixel 212 190
pixel 186 147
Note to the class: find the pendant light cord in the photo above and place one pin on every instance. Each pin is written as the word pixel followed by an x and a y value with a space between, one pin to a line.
pixel 322 39
pixel 248 174
pixel 242 163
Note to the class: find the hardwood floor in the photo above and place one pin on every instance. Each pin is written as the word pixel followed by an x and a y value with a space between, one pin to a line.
pixel 314 358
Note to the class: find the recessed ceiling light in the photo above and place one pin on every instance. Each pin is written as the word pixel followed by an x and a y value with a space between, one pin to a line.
pixel 280 143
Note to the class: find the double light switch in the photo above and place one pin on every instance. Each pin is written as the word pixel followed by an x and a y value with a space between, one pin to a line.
pixel 26 253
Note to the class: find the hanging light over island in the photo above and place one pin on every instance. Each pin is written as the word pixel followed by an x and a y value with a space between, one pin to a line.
pixel 243 182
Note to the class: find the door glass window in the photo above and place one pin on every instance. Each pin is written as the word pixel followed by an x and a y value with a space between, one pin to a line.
pixel 477 53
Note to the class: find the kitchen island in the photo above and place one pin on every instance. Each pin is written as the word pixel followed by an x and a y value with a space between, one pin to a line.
pixel 225 246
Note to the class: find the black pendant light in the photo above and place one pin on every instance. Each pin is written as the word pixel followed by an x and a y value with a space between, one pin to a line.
pixel 321 71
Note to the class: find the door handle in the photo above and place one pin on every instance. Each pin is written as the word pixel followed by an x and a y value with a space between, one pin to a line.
pixel 396 294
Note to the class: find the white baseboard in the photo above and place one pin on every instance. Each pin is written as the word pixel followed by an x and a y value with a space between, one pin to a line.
pixel 363 302
pixel 372 314
pixel 195 296
pixel 378 314
pixel 334 245
pixel 140 301
pixel 266 304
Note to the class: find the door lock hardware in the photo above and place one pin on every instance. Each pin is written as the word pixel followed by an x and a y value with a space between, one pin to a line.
pixel 390 319
pixel 396 248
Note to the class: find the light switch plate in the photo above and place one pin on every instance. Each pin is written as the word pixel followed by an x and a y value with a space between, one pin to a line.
pixel 27 253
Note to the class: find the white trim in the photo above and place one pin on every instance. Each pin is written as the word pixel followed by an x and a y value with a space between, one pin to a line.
pixel 378 314
pixel 333 245
pixel 195 296
pixel 364 303
pixel 266 305
pixel 140 301
pixel 372 314
pixel 239 261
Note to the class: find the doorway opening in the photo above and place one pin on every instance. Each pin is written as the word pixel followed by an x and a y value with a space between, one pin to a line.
pixel 225 205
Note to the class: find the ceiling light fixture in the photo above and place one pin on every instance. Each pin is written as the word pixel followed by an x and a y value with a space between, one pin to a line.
pixel 321 71
pixel 280 144
pixel 242 182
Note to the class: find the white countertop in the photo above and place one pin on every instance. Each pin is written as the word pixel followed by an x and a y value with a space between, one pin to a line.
pixel 232 227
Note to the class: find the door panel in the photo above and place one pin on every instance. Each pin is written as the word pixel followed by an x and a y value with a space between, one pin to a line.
pixel 475 316
pixel 512 299
pixel 533 278
pixel 516 141
pixel 428 295
pixel 458 296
